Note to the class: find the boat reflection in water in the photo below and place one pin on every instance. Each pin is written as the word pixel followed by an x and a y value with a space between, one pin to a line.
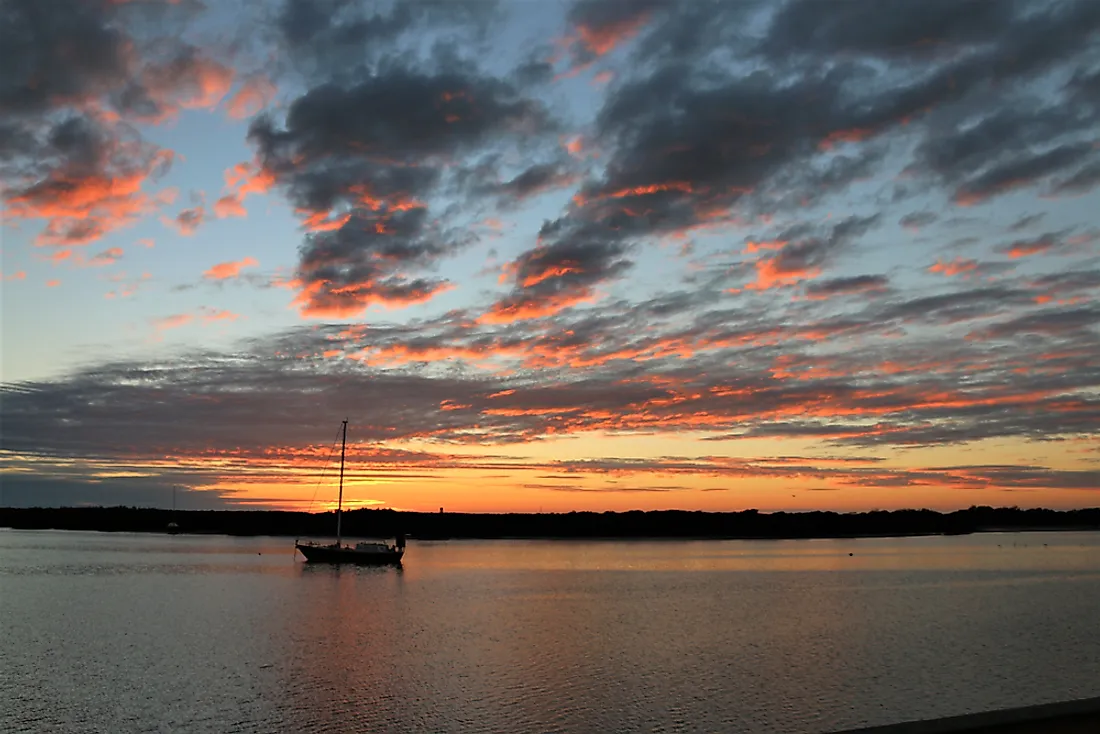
pixel 362 554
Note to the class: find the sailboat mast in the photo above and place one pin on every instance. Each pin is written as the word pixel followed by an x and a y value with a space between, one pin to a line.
pixel 340 502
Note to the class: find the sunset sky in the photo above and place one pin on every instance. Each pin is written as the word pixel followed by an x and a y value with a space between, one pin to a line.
pixel 818 254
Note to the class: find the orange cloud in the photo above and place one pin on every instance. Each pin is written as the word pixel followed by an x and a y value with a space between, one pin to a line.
pixel 574 146
pixel 854 135
pixel 973 198
pixel 1032 247
pixel 172 322
pixel 123 292
pixel 80 207
pixel 248 178
pixel 451 405
pixel 553 271
pixel 320 222
pixel 958 266
pixel 53 283
pixel 18 275
pixel 682 186
pixel 770 273
pixel 602 40
pixel 252 97
pixel 189 82
pixel 398 354
pixel 229 206
pixel 320 299
pixel 125 289
pixel 751 247
pixel 211 314
pixel 508 311
pixel 226 270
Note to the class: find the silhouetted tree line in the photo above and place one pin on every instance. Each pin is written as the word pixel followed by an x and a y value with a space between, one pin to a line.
pixel 633 524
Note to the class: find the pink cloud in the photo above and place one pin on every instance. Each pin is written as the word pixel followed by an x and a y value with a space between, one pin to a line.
pixel 603 78
pixel 251 97
pixel 227 270
pixel 107 257
pixel 212 314
pixel 248 178
pixel 172 322
pixel 189 81
pixel 574 146
pixel 958 266
pixel 229 206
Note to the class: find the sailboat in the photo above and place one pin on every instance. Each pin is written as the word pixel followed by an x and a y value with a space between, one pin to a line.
pixel 173 527
pixel 363 554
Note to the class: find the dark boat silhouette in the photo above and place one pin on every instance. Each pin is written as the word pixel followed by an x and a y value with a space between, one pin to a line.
pixel 173 527
pixel 362 554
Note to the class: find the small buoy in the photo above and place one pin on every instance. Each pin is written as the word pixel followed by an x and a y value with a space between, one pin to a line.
pixel 850 554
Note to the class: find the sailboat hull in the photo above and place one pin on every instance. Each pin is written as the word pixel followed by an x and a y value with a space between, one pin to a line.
pixel 344 554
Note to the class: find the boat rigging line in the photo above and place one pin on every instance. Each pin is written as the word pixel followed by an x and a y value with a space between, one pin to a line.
pixel 325 468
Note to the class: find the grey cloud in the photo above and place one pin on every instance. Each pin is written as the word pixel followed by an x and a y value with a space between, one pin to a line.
pixel 534 71
pixel 846 286
pixel 1021 172
pixel 537 179
pixel 375 153
pixel 656 366
pixel 916 220
pixel 1067 283
pixel 607 19
pixel 484 180
pixel 767 139
pixel 344 270
pixel 345 39
pixel 55 53
pixel 153 491
pixel 1081 181
pixel 403 115
pixel 695 30
pixel 969 45
pixel 953 307
pixel 1026 221
pixel 73 75
pixel 556 276
pixel 1061 321
pixel 886 28
pixel 1040 244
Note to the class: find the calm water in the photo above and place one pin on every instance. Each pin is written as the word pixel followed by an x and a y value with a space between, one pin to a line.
pixel 128 633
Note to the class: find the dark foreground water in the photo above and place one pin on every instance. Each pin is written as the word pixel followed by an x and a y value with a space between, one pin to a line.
pixel 128 633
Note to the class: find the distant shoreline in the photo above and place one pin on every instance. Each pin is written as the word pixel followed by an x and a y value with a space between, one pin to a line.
pixel 633 525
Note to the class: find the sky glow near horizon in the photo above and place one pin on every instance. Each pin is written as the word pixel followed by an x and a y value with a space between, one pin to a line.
pixel 582 255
